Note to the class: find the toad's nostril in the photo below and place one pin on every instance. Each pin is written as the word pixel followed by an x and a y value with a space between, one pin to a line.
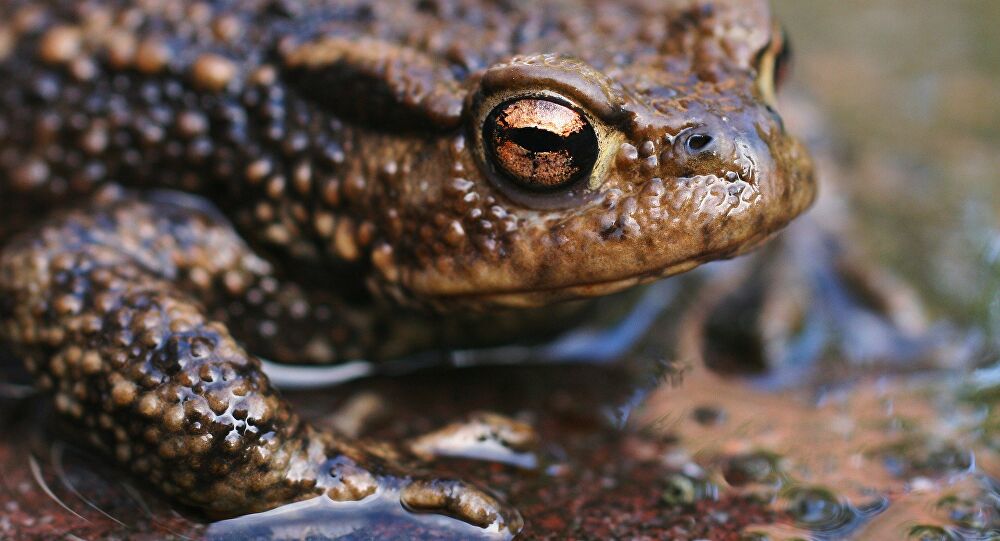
pixel 698 142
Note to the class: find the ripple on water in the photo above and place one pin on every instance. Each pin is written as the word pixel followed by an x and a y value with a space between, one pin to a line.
pixel 821 512
pixel 933 533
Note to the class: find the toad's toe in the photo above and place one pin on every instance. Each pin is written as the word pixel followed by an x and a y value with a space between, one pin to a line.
pixel 460 500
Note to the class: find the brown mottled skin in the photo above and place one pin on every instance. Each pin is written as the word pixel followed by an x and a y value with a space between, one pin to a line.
pixel 335 162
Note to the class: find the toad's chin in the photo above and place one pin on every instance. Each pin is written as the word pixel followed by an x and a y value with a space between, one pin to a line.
pixel 541 297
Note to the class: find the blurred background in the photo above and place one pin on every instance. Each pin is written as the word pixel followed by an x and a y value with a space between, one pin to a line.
pixel 911 92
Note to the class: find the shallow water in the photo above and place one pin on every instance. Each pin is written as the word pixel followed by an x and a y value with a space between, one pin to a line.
pixel 656 445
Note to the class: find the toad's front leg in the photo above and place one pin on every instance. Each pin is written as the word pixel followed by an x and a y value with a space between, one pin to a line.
pixel 104 306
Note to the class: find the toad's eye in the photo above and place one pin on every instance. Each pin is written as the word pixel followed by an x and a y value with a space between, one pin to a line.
pixel 539 144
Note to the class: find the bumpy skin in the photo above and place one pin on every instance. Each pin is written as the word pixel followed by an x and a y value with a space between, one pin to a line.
pixel 102 304
pixel 342 139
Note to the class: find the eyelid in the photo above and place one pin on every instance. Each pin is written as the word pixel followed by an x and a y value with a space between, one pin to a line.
pixel 562 75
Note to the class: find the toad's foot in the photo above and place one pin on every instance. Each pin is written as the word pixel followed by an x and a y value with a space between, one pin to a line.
pixel 807 299
pixel 106 309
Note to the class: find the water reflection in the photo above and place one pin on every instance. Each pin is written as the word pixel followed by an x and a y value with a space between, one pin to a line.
pixel 379 516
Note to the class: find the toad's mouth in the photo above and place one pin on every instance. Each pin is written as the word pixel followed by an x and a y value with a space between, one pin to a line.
pixel 540 296
pixel 536 296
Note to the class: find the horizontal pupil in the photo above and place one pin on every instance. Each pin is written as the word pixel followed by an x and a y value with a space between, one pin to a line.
pixel 536 140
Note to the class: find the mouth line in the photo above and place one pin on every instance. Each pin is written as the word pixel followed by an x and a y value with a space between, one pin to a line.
pixel 534 297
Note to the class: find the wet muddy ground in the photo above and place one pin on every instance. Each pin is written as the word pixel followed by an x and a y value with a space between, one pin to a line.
pixel 655 445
